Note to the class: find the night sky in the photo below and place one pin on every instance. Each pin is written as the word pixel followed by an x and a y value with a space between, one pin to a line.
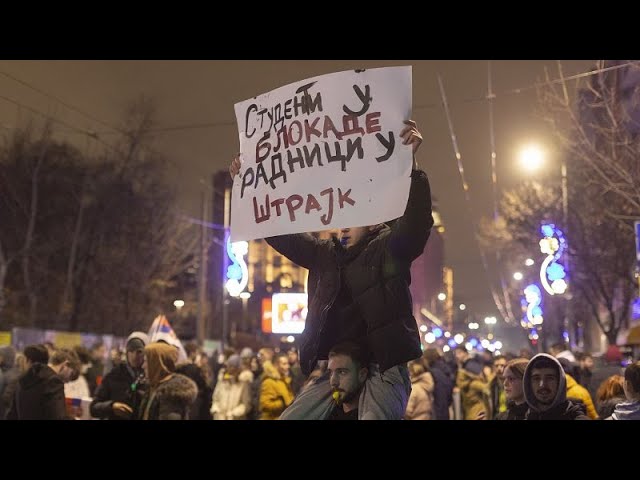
pixel 200 95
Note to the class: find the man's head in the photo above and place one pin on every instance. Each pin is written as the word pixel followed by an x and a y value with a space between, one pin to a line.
pixel 98 351
pixel 293 356
pixel 351 236
pixel 135 349
pixel 461 354
pixel 544 382
pixel 348 367
pixel 66 364
pixel 499 363
pixel 632 382
pixel 281 363
pixel 37 353
pixel 556 348
pixel 586 362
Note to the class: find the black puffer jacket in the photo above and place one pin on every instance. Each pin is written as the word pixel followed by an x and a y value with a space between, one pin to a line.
pixel 377 280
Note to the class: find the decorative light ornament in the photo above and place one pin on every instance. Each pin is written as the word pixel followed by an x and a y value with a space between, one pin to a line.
pixel 237 272
pixel 552 273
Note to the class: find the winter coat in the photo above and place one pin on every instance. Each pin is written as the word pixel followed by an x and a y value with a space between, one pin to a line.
pixel 513 412
pixel 200 410
pixel 232 397
pixel 377 279
pixel 443 390
pixel 275 394
pixel 119 385
pixel 607 407
pixel 39 396
pixel 626 411
pixel 578 392
pixel 171 399
pixel 420 405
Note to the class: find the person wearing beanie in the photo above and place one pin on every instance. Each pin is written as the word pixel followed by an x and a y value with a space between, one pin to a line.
pixel 545 391
pixel 119 395
pixel 170 394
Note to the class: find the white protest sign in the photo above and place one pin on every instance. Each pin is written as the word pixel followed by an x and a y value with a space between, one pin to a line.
pixel 323 153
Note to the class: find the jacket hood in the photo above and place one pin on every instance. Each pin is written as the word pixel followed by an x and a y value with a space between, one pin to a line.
pixel 561 393
pixel 627 411
pixel 140 336
pixel 179 388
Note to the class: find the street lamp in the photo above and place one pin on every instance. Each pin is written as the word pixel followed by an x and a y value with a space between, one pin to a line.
pixel 531 158
pixel 178 304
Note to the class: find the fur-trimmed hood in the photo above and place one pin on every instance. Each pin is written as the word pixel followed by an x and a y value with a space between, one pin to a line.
pixel 171 399
pixel 178 388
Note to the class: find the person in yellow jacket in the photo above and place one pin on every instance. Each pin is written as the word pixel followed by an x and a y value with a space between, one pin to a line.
pixel 577 391
pixel 276 393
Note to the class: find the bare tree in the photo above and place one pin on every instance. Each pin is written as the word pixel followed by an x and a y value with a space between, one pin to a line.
pixel 599 140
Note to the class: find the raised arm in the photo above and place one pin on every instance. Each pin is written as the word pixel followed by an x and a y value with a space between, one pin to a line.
pixel 410 232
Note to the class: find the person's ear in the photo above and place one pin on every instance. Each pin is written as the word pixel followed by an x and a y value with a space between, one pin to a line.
pixel 363 374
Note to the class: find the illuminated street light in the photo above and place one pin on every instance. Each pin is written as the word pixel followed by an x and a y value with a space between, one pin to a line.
pixel 517 276
pixel 490 320
pixel 178 304
pixel 528 262
pixel 442 296
pixel 462 306
pixel 531 157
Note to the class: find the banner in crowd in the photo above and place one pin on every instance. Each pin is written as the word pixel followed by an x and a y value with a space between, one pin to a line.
pixel 323 153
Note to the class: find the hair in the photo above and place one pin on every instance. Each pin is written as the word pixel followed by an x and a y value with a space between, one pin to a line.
pixel 191 348
pixel 358 353
pixel 431 355
pixel 632 375
pixel 83 354
pixel 610 388
pixel 545 362
pixel 36 353
pixel 517 366
pixel 65 355
pixel 499 357
pixel 526 353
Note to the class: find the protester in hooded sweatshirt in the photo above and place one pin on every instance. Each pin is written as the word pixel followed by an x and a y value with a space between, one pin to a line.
pixel 629 410
pixel 170 395
pixel 119 395
pixel 545 390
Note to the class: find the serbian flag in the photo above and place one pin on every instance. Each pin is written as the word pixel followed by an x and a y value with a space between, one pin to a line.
pixel 161 330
